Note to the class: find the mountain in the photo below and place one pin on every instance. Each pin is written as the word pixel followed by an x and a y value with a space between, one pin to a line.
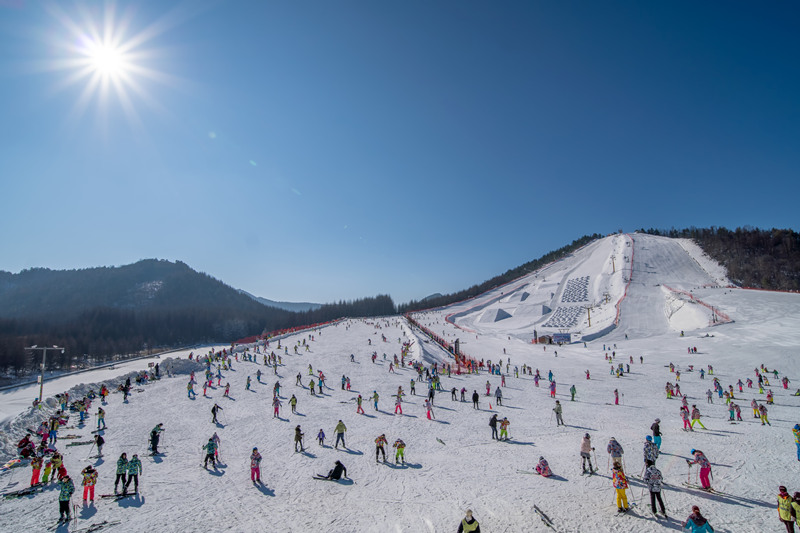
pixel 296 307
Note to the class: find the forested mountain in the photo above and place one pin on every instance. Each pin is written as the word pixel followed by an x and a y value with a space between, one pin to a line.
pixel 758 258
pixel 97 313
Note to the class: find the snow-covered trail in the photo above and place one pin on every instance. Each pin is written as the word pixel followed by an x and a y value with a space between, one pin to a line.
pixel 440 480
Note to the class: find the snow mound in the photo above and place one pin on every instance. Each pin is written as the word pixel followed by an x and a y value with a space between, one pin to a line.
pixel 494 315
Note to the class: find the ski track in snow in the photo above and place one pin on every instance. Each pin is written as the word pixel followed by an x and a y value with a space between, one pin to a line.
pixel 470 470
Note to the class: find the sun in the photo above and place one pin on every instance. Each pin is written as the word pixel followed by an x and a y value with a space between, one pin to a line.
pixel 107 60
pixel 101 53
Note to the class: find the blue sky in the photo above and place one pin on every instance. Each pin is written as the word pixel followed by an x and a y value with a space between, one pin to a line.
pixel 332 150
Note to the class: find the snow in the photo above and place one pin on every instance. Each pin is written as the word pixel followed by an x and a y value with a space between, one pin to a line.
pixel 440 481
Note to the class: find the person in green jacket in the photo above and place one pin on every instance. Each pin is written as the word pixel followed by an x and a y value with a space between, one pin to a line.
pixel 65 489
pixel 210 448
pixel 122 469
pixel 340 430
pixel 134 469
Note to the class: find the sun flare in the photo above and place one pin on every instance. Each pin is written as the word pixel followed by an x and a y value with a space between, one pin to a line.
pixel 106 59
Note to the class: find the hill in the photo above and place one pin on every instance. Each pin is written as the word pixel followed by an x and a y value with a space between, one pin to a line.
pixel 286 306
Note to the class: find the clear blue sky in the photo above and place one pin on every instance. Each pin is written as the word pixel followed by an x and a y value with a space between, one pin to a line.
pixel 332 150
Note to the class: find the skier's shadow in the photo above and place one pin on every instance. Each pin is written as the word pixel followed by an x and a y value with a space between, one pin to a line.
pixel 519 442
pixel 579 427
pixel 134 501
pixel 403 466
pixel 441 422
pixel 282 419
pixel 557 478
pixel 156 459
pixel 309 454
pixel 216 472
pixel 231 398
pixel 88 512
pixel 266 491
pixel 99 461
pixel 298 414
pixel 368 416
pixel 352 452
pixel 220 425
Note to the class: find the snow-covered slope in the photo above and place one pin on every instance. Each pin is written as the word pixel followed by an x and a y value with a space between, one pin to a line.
pixel 467 469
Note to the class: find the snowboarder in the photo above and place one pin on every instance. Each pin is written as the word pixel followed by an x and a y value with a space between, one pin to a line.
pixel 298 439
pixel 255 466
pixel 134 469
pixel 586 450
pixel 653 479
pixel 557 411
pixel 340 431
pixel 380 442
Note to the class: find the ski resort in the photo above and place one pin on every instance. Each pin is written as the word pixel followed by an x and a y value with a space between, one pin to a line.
pixel 668 381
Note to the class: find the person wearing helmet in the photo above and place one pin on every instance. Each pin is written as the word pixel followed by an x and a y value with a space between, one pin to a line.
pixel 255 466
pixel 705 467
pixel 615 450
pixel 650 451
pixel 656 429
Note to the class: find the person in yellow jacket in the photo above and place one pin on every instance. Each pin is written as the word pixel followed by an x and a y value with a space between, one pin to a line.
pixel 796 507
pixel 504 423
pixel 400 454
pixel 620 483
pixel 469 524
pixel 785 509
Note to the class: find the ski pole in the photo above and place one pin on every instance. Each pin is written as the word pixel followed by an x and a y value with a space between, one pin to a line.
pixel 90 451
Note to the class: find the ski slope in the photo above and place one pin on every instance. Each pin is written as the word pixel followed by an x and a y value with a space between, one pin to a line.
pixel 469 470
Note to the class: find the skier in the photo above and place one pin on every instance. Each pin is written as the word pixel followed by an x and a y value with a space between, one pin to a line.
pixel 321 437
pixel 616 397
pixel 298 439
pixel 650 451
pixel 65 489
pixel 340 430
pixel 101 418
pixel 428 410
pixel 504 423
pixel 653 479
pixel 785 509
pixel 122 469
pixel 36 468
pixel 498 396
pixel 247 385
pixel 336 473
pixel 696 417
pixel 552 389
pixel 616 451
pixel 214 411
pixel 293 403
pixel 543 469
pixel 620 483
pixel 475 398
pixel 134 469
pixel 227 390
pixel 210 448
pixel 398 404
pixel 656 429
pixel 255 466
pixel 155 435
pixel 400 454
pixel 557 410
pixel 276 407
pixel 762 410
pixel 375 399
pixel 685 417
pixel 380 442
pixel 696 522
pixel 572 391
pixel 705 468
pixel 493 425
pixel 586 449
pixel 469 524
